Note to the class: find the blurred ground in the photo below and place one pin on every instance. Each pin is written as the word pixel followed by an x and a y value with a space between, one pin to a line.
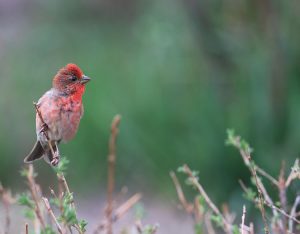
pixel 170 219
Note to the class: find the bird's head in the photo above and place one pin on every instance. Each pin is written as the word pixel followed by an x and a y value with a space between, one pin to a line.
pixel 70 80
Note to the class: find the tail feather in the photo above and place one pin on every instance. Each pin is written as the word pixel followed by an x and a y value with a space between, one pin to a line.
pixel 36 153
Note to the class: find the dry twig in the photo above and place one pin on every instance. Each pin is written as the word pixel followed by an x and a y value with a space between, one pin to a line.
pixel 207 220
pixel 293 213
pixel 189 208
pixel 34 194
pixel 194 180
pixel 123 209
pixel 111 171
pixel 294 174
pixel 7 200
pixel 26 228
pixel 48 207
pixel 243 220
pixel 253 169
pixel 120 212
pixel 272 206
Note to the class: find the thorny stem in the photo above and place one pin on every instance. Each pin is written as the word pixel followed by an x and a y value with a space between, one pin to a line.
pixel 111 171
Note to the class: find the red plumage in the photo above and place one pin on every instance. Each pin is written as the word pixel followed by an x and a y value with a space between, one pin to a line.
pixel 61 108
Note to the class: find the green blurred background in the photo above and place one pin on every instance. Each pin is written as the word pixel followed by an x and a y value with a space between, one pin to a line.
pixel 180 72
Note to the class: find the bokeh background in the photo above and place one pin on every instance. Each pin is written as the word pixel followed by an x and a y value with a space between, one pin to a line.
pixel 180 72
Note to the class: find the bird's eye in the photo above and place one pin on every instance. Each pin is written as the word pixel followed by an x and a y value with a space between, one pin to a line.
pixel 73 78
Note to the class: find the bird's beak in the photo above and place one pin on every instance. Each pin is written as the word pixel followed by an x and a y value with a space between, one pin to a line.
pixel 84 79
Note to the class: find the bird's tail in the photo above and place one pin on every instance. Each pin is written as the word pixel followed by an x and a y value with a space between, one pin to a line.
pixel 36 153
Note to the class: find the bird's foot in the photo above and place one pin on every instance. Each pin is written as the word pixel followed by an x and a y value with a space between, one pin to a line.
pixel 44 127
pixel 55 159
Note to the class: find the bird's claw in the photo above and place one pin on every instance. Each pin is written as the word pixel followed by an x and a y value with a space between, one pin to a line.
pixel 44 128
pixel 55 159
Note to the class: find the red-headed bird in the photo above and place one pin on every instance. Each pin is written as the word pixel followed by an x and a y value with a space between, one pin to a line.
pixel 61 109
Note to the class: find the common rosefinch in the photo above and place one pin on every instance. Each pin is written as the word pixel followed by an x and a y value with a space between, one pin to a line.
pixel 61 110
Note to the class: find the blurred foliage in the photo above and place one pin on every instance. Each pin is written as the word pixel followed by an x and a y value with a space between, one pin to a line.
pixel 179 72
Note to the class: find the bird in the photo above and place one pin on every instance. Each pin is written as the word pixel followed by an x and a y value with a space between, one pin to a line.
pixel 58 114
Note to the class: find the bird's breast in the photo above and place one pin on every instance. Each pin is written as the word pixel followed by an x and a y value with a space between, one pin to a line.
pixel 62 115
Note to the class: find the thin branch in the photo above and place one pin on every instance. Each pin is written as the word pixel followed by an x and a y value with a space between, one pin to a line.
pixel 126 206
pixel 251 226
pixel 34 194
pixel 189 208
pixel 293 213
pixel 194 180
pixel 111 171
pixel 120 212
pixel 268 176
pixel 7 200
pixel 207 220
pixel 245 153
pixel 272 206
pixel 282 196
pixel 26 228
pixel 294 174
pixel 243 220
pixel 47 205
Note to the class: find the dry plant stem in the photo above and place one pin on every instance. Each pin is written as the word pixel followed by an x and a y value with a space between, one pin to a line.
pixel 243 220
pixel 253 168
pixel 207 220
pixel 251 228
pixel 268 176
pixel 293 213
pixel 268 200
pixel 111 171
pixel 123 209
pixel 294 174
pixel 63 181
pixel 48 207
pixel 34 194
pixel 227 225
pixel 7 200
pixel 272 206
pixel 189 208
pixel 282 196
pixel 26 228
